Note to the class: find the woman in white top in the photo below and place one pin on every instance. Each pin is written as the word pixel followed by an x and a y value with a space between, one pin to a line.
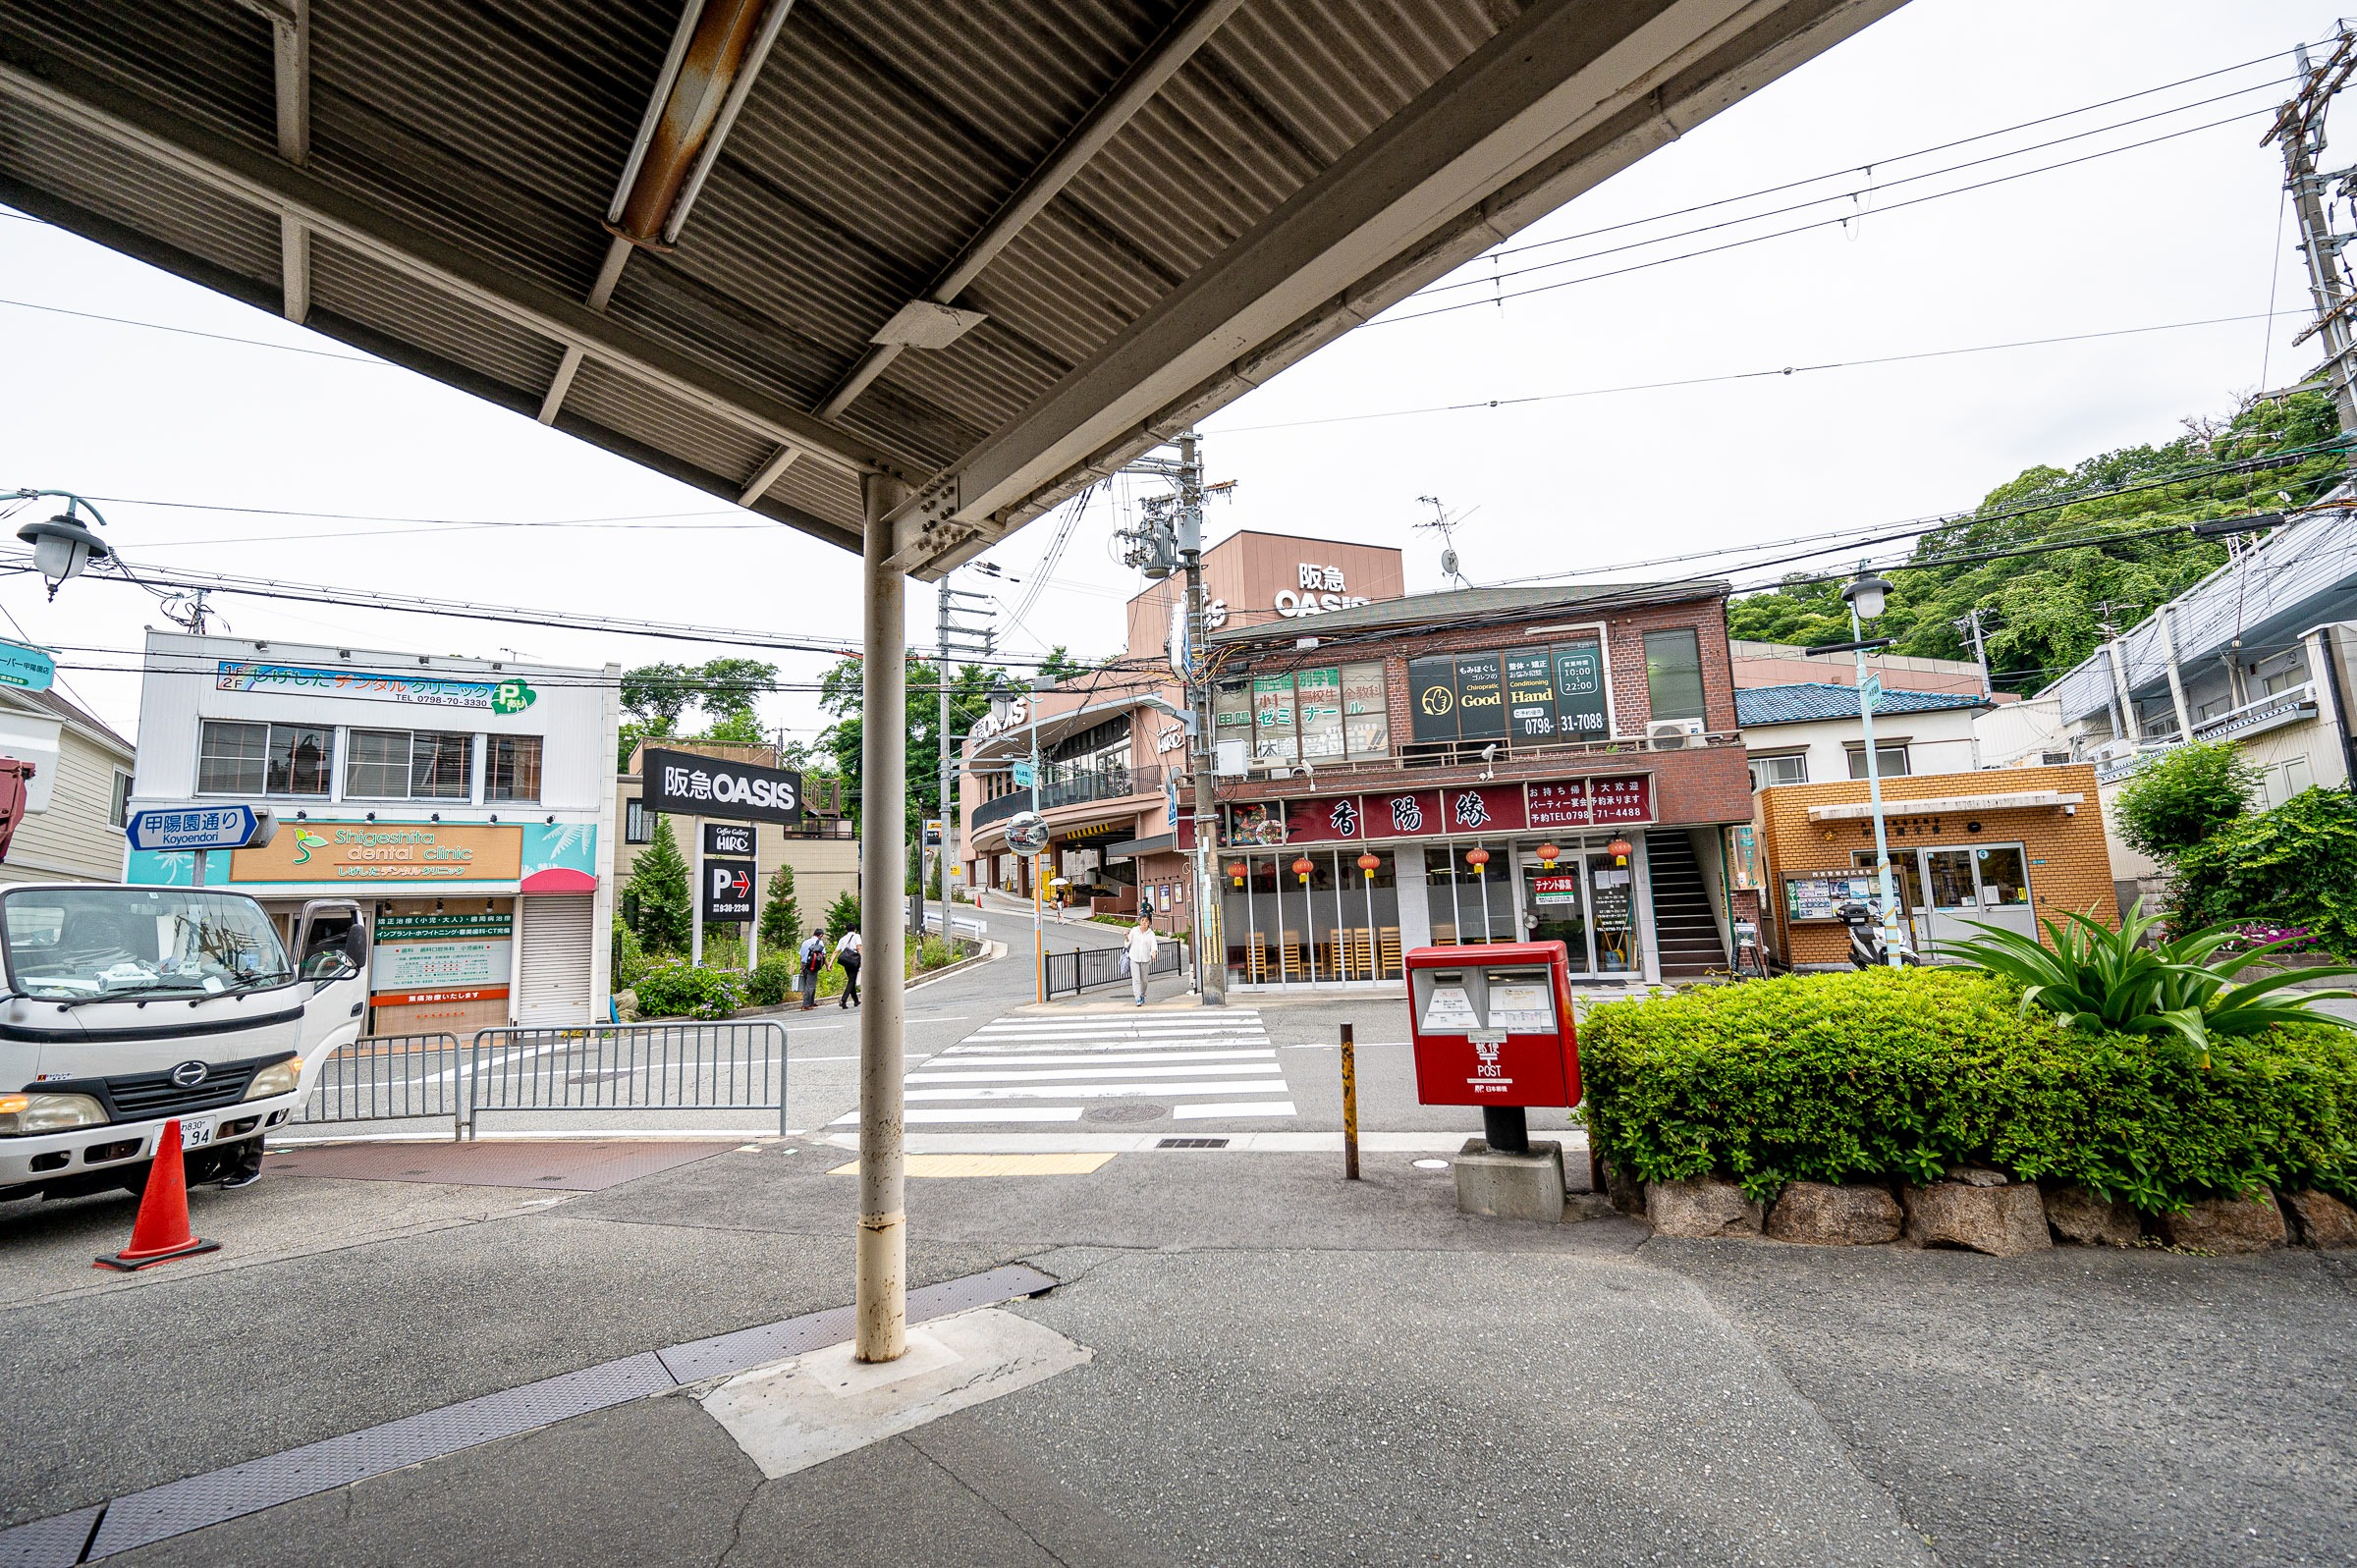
pixel 1141 944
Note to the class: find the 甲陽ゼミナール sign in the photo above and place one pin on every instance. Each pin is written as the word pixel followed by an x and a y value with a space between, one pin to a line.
pixel 682 783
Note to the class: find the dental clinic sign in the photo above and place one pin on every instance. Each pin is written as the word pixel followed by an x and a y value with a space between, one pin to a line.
pixel 494 696
pixel 682 783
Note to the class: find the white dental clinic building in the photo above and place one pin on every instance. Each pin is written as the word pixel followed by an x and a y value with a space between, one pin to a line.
pixel 464 803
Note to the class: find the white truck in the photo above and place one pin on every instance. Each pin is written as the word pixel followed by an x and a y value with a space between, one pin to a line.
pixel 124 1007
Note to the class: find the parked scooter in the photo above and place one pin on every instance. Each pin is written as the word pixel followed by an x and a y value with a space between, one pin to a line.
pixel 1866 951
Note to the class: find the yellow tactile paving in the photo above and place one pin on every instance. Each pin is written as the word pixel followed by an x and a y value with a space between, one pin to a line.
pixel 1076 1164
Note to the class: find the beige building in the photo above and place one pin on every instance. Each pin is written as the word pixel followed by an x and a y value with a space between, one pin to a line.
pixel 822 851
pixel 74 802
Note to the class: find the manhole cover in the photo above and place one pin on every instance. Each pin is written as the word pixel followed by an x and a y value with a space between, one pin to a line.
pixel 1126 1111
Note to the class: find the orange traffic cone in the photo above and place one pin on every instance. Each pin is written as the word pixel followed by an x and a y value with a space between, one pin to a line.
pixel 161 1233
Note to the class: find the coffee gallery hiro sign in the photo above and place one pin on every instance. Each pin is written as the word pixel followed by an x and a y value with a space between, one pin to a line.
pixel 681 783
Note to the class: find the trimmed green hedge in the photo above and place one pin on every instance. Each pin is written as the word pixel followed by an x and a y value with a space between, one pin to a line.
pixel 1864 1076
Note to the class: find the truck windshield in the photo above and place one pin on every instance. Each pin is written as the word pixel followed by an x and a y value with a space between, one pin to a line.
pixel 119 941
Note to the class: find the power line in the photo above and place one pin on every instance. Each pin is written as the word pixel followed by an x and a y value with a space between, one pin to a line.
pixel 192 332
pixel 1754 375
pixel 1491 278
pixel 1804 228
pixel 1903 157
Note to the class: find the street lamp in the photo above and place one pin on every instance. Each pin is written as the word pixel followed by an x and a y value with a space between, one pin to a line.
pixel 1866 594
pixel 62 545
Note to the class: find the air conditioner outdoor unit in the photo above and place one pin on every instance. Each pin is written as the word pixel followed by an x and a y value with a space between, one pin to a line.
pixel 1671 734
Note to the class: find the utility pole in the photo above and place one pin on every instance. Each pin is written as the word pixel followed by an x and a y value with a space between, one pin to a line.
pixel 2301 128
pixel 1211 952
pixel 951 639
pixel 2124 704
pixel 1971 623
pixel 1171 534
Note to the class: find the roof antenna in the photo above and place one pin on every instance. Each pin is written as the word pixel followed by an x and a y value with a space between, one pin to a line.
pixel 1444 524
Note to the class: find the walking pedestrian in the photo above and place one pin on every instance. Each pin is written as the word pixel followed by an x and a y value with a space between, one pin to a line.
pixel 1140 948
pixel 846 953
pixel 815 958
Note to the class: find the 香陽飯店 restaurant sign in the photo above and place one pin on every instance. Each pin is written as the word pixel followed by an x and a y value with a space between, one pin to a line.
pixel 1467 810
pixel 430 692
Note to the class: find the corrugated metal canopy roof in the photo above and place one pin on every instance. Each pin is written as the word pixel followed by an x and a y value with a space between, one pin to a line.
pixel 1807 701
pixel 1149 206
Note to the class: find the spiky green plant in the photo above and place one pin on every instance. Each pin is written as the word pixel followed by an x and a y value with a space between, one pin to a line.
pixel 2180 989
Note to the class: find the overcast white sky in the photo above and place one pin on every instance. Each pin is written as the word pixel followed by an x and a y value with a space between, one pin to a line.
pixel 2181 231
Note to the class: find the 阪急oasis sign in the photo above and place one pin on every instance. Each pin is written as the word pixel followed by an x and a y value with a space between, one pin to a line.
pixel 681 783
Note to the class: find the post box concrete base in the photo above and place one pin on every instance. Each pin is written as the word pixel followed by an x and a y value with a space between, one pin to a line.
pixel 1516 1186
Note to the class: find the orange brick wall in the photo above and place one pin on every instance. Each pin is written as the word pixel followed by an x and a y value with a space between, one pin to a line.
pixel 2075 874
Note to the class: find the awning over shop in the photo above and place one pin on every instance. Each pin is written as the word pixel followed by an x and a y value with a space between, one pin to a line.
pixel 1138 848
pixel 1943 805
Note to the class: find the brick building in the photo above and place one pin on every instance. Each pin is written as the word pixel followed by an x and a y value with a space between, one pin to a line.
pixel 1486 765
pixel 2002 846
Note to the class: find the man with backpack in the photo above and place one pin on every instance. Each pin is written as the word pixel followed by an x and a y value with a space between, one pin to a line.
pixel 846 953
pixel 813 958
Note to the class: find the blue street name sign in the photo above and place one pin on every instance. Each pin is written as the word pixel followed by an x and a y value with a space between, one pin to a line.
pixel 192 828
pixel 27 669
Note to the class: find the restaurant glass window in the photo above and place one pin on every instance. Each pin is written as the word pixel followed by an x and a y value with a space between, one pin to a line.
pixel 512 768
pixel 1321 916
pixel 441 765
pixel 1890 761
pixel 1318 714
pixel 1275 739
pixel 1370 900
pixel 1366 710
pixel 1673 673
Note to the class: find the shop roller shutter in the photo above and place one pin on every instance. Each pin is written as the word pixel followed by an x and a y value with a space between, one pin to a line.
pixel 554 968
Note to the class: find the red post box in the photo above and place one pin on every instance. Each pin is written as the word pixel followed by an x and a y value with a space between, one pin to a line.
pixel 1492 1026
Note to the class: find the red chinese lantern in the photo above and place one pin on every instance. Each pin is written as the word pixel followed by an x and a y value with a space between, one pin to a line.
pixel 1302 868
pixel 1548 854
pixel 1369 863
pixel 1236 872
pixel 1477 857
pixel 1619 850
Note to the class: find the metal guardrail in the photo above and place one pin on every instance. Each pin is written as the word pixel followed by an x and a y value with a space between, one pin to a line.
pixel 388 1078
pixel 668 1066
pixel 735 1066
pixel 1084 967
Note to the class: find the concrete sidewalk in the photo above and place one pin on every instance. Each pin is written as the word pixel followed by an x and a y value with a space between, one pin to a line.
pixel 1285 1369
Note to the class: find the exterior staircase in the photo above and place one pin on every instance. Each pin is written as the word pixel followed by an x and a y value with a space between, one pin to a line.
pixel 1685 931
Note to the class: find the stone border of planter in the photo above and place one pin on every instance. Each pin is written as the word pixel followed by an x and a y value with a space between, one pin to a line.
pixel 1978 1209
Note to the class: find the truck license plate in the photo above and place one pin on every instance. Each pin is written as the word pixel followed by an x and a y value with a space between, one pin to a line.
pixel 196 1132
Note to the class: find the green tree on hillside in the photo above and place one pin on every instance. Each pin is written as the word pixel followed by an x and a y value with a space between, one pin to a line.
pixel 657 698
pixel 2040 612
pixel 839 693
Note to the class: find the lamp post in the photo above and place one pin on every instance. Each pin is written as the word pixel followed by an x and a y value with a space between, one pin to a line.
pixel 62 545
pixel 1865 593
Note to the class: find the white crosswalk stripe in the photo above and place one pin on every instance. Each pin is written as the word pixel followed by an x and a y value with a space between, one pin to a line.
pixel 1033 1070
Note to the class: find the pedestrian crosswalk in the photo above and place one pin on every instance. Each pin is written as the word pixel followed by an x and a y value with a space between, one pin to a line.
pixel 1103 1067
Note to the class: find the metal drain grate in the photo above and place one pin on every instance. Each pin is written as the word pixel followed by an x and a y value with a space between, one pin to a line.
pixel 1193 1143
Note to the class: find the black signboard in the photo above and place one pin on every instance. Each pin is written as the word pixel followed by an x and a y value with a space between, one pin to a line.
pixel 728 891
pixel 1480 697
pixel 1432 698
pixel 1530 696
pixel 1579 692
pixel 684 784
pixel 728 838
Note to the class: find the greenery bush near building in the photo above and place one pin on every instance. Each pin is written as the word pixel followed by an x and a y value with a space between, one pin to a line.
pixel 842 915
pixel 658 893
pixel 2294 866
pixel 630 959
pixel 773 979
pixel 781 913
pixel 1901 1074
pixel 677 991
pixel 2184 795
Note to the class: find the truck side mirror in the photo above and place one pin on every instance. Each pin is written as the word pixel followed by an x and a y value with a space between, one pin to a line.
pixel 356 944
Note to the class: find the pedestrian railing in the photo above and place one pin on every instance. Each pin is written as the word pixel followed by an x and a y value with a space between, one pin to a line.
pixel 669 1066
pixel 388 1078
pixel 1085 968
pixel 666 1066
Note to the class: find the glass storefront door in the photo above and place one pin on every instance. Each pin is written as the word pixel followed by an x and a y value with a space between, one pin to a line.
pixel 1555 903
pixel 1947 891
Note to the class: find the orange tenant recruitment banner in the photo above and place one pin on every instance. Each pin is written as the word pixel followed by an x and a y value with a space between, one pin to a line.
pixel 351 852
